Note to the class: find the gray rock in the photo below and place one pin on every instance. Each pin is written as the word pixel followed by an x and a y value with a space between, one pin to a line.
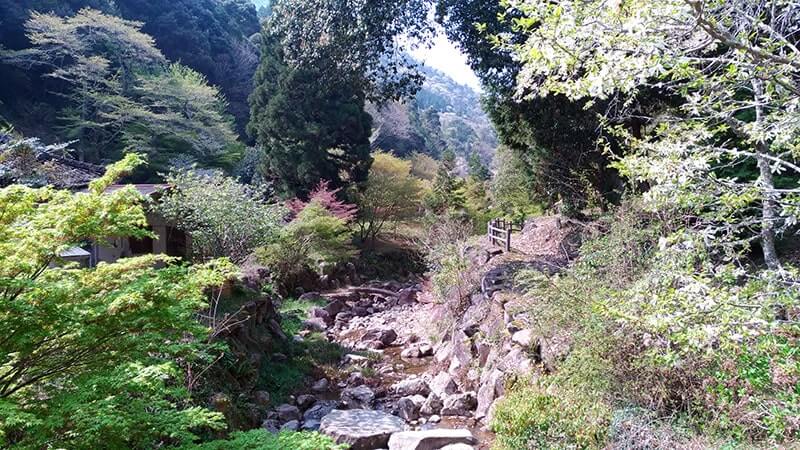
pixel 315 324
pixel 335 307
pixel 356 379
pixel 287 413
pixel 271 425
pixel 292 425
pixel 418 399
pixel 310 296
pixel 407 409
pixel 457 447
pixel 320 313
pixel 430 439
pixel 320 409
pixel 425 349
pixel 443 385
pixel 524 338
pixel 410 352
pixel 407 296
pixel 516 361
pixel 310 425
pixel 360 311
pixel 432 405
pixel 351 358
pixel 385 335
pixel 461 354
pixel 491 388
pixel 361 429
pixel 459 404
pixel 359 397
pixel 261 398
pixel 320 385
pixel 443 352
pixel 306 401
pixel 411 386
pixel 490 413
pixel 434 419
pixel 375 345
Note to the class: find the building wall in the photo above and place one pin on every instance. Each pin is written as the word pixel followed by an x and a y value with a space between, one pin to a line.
pixel 114 249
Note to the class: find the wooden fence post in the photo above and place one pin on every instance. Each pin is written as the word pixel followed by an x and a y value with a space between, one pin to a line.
pixel 508 241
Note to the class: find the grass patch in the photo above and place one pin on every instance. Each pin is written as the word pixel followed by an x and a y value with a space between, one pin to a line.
pixel 264 440
pixel 315 355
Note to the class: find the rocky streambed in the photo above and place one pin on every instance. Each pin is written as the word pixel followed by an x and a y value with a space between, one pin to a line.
pixel 412 376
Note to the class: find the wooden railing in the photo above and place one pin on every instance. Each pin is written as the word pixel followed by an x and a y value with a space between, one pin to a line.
pixel 499 232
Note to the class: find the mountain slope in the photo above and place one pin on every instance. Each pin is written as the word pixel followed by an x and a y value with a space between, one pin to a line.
pixel 444 114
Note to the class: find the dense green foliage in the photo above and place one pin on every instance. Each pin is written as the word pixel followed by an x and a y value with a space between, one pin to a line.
pixel 556 138
pixel 264 440
pixel 210 36
pixel 311 129
pixel 313 240
pixel 94 357
pixel 223 217
pixel 684 311
pixel 118 91
pixel 391 195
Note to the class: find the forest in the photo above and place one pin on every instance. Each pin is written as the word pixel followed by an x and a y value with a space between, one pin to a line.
pixel 268 225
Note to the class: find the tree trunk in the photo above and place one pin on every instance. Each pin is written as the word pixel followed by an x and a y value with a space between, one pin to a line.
pixel 769 204
pixel 769 213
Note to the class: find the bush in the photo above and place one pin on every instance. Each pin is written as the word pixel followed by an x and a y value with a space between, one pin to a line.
pixel 264 440
pixel 391 195
pixel 314 239
pixel 452 277
pixel 223 217
pixel 669 328
pixel 96 357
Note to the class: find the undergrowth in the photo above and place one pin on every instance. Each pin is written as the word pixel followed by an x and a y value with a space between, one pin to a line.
pixel 314 355
pixel 673 388
pixel 264 440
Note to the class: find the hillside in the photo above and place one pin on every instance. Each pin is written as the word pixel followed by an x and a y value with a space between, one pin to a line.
pixel 443 114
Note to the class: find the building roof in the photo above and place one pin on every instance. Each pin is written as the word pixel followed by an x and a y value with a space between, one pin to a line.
pixel 74 252
pixel 148 190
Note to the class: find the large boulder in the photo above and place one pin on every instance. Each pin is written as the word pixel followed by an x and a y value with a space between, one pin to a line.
pixel 306 401
pixel 287 413
pixel 383 335
pixel 361 429
pixel 311 297
pixel 430 439
pixel 492 387
pixel 411 386
pixel 432 405
pixel 524 338
pixel 360 397
pixel 261 398
pixel 443 385
pixel 408 409
pixel 461 354
pixel 457 447
pixel 292 425
pixel 320 409
pixel 407 296
pixel 459 404
pixel 335 307
pixel 315 324
pixel 320 385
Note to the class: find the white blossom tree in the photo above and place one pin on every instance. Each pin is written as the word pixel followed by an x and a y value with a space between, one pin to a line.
pixel 734 65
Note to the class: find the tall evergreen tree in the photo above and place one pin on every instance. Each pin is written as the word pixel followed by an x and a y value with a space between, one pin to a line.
pixel 477 169
pixel 312 125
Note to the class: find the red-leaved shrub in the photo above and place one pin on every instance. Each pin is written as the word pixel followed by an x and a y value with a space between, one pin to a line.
pixel 326 197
